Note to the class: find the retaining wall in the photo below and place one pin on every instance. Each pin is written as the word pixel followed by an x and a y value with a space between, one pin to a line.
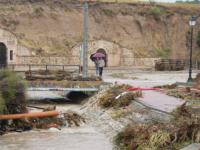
pixel 150 62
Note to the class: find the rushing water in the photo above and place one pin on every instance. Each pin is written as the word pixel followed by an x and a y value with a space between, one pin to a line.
pixel 68 138
pixel 75 138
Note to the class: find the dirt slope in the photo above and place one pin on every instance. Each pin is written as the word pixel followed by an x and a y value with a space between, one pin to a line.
pixel 56 28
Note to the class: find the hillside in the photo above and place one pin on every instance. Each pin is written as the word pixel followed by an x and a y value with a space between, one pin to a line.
pixel 141 27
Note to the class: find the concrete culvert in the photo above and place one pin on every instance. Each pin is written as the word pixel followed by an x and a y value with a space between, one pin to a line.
pixel 77 97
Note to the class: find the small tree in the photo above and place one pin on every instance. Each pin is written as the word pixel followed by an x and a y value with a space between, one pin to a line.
pixel 37 9
pixel 198 38
pixel 157 11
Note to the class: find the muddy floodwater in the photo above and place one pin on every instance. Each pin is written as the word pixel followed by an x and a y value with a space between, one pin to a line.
pixel 84 137
pixel 75 138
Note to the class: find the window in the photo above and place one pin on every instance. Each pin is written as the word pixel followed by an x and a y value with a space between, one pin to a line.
pixel 11 54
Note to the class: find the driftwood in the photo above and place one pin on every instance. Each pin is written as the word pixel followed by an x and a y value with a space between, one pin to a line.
pixel 52 77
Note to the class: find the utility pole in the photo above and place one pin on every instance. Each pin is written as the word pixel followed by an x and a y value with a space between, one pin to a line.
pixel 85 41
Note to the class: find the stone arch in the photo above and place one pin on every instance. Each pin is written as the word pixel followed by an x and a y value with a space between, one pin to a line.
pixel 3 53
pixel 10 40
pixel 116 55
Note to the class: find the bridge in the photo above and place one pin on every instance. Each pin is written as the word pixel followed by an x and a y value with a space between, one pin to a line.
pixel 75 91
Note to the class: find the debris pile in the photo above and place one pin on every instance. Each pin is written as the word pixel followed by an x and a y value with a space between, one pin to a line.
pixel 48 75
pixel 74 118
pixel 115 97
pixel 166 67
pixel 155 135
pixel 168 86
pixel 57 75
pixel 13 101
pixel 186 94
pixel 25 123
pixel 197 79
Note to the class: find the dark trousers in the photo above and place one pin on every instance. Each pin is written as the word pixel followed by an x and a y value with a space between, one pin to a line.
pixel 100 71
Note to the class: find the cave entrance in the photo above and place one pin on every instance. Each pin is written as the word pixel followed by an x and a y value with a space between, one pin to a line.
pixel 3 58
pixel 103 52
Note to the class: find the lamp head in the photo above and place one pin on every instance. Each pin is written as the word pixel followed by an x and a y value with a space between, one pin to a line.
pixel 192 22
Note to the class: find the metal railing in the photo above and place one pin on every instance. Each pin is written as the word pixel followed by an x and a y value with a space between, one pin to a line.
pixel 179 62
pixel 62 67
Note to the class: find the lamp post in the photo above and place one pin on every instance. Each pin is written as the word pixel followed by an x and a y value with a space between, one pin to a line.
pixel 192 23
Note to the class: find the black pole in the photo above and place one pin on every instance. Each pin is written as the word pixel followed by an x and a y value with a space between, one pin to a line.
pixel 190 70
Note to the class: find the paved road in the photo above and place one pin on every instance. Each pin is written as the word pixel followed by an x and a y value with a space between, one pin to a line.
pixel 154 98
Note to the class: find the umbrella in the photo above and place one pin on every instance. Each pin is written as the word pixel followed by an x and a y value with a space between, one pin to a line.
pixel 93 58
pixel 98 55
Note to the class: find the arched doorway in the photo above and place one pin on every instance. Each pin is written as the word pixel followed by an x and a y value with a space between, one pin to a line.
pixel 3 57
pixel 103 52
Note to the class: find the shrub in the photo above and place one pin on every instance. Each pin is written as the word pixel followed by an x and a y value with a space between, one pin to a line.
pixel 159 52
pixel 37 9
pixel 110 12
pixel 109 99
pixel 157 11
pixel 198 38
pixel 67 44
pixel 12 89
pixel 56 47
pixel 168 49
pixel 187 34
pixel 59 46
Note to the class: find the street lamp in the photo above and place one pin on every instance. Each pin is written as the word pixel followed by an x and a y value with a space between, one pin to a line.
pixel 192 23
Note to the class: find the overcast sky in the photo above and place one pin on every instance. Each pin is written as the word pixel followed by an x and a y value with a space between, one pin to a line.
pixel 166 1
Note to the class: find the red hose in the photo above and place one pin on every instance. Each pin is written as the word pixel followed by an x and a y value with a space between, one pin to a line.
pixel 133 89
pixel 160 90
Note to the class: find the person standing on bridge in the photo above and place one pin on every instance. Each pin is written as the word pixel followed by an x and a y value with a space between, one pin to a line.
pixel 101 65
pixel 97 66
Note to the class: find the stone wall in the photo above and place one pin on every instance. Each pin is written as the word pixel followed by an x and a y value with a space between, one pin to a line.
pixel 150 62
pixel 48 60
pixel 23 51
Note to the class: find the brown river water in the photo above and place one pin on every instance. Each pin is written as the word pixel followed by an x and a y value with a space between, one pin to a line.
pixel 75 138
pixel 68 138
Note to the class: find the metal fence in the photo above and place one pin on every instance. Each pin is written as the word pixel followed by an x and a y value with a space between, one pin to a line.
pixel 180 62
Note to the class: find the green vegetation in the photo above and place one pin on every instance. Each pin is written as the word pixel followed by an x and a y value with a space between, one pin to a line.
pixel 120 113
pixel 163 52
pixel 111 12
pixel 118 75
pixel 159 52
pixel 67 44
pixel 26 43
pixel 198 38
pixel 189 2
pixel 56 47
pixel 157 11
pixel 12 88
pixel 37 9
pixel 187 34
pixel 80 39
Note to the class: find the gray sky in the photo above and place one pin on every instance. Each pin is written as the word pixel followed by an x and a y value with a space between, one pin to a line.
pixel 165 1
